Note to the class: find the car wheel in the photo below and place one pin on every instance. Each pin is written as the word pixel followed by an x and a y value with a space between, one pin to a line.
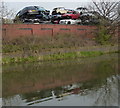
pixel 69 22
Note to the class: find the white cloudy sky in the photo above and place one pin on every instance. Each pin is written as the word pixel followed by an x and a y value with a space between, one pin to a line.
pixel 48 4
pixel 17 5
pixel 47 0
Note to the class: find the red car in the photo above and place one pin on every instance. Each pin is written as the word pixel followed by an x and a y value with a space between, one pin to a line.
pixel 71 15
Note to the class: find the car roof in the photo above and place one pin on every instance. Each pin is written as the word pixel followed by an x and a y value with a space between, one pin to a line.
pixel 33 6
pixel 59 7
pixel 81 8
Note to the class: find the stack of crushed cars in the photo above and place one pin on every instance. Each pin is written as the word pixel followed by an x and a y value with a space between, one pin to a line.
pixel 80 15
pixel 59 15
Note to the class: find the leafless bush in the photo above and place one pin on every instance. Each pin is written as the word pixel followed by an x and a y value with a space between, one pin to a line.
pixel 106 10
pixel 6 15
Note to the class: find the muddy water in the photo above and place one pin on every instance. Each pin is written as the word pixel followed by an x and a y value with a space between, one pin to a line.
pixel 77 82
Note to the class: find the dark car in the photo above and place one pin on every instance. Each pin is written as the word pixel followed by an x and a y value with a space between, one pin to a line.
pixel 56 18
pixel 32 14
pixel 90 18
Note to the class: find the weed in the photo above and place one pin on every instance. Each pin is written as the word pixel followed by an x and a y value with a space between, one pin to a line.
pixel 103 36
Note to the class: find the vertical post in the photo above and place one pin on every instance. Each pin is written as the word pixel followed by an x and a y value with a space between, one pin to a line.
pixel 52 32
pixel 31 31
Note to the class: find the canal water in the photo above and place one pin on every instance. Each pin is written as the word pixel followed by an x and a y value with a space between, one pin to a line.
pixel 77 82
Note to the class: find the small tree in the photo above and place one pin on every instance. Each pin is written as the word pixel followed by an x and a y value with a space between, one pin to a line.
pixel 118 13
pixel 6 15
pixel 108 18
pixel 119 8
pixel 107 10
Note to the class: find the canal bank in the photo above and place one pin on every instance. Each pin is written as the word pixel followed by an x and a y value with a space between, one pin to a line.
pixel 59 54
pixel 33 43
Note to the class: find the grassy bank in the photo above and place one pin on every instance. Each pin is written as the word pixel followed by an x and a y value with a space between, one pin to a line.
pixel 34 48
pixel 58 56
pixel 38 44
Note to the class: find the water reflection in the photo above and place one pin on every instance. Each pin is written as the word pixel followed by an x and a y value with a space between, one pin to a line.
pixel 82 82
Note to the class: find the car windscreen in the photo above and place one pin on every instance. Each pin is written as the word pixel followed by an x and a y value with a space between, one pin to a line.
pixel 72 12
pixel 31 8
pixel 40 8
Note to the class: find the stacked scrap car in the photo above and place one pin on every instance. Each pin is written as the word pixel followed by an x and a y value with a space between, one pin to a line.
pixel 70 21
pixel 81 10
pixel 89 18
pixel 32 14
pixel 59 10
pixel 60 13
pixel 57 14
pixel 71 15
pixel 56 18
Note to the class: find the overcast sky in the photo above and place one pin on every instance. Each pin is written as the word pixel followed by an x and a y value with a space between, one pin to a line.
pixel 47 4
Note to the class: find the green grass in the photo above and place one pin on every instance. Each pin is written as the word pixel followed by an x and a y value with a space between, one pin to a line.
pixel 31 48
pixel 7 60
pixel 40 43
pixel 71 55
pixel 59 56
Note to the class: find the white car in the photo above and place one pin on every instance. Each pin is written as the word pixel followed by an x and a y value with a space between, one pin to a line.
pixel 70 21
pixel 81 10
